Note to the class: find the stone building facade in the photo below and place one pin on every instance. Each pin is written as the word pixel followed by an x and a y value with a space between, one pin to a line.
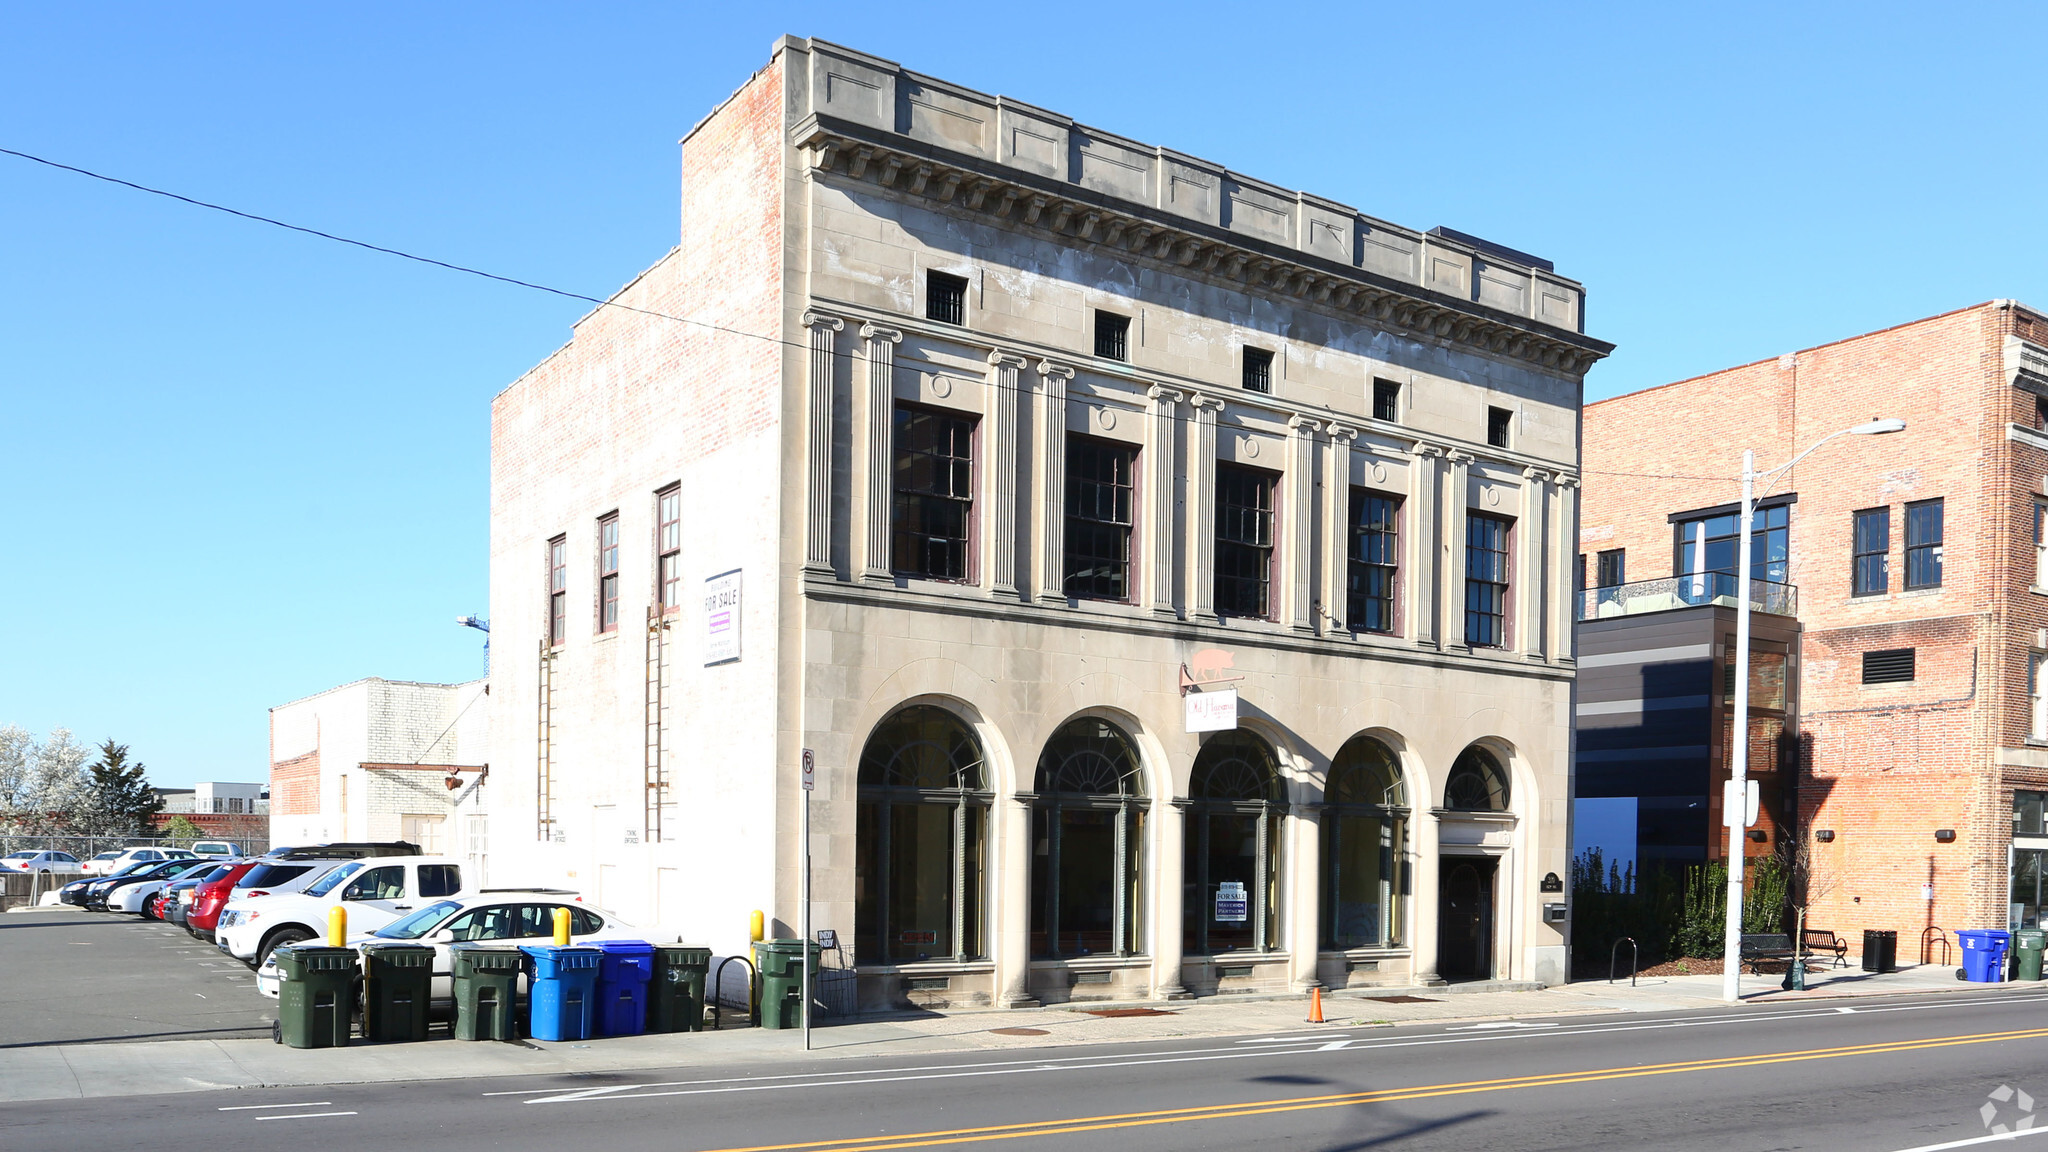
pixel 1915 768
pixel 977 452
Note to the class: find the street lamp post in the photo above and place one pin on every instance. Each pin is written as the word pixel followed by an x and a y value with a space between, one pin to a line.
pixel 1735 800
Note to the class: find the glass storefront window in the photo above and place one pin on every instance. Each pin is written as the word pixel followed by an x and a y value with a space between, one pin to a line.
pixel 1087 828
pixel 921 833
pixel 1364 828
pixel 1232 851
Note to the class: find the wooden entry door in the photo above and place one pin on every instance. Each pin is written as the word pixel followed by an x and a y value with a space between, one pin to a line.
pixel 1464 933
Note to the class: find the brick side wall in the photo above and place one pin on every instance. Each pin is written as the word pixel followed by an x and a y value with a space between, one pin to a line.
pixel 295 786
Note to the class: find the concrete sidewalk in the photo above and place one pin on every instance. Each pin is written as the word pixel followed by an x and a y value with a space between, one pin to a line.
pixel 78 1071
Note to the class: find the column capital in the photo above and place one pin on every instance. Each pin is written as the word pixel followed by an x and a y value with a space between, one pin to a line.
pixel 1051 368
pixel 1534 473
pixel 1304 426
pixel 1425 448
pixel 1201 403
pixel 1342 431
pixel 873 332
pixel 1457 457
pixel 821 320
pixel 1161 394
pixel 1000 359
pixel 1565 480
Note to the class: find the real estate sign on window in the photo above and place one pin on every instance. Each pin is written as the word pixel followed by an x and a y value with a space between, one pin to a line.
pixel 722 618
pixel 1231 905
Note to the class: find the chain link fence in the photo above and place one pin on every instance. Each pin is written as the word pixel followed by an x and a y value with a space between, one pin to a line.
pixel 87 847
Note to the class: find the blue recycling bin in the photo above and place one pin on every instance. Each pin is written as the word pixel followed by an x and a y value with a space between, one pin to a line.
pixel 622 977
pixel 1984 954
pixel 563 999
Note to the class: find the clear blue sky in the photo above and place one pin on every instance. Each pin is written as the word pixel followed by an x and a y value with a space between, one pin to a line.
pixel 238 465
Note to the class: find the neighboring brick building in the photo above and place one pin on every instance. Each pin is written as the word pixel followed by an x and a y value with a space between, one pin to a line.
pixel 1920 604
pixel 1010 428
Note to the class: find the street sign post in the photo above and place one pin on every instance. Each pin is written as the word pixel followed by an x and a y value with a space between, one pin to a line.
pixel 810 779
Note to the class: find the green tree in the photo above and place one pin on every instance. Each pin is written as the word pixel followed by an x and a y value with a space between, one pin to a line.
pixel 119 801
pixel 180 831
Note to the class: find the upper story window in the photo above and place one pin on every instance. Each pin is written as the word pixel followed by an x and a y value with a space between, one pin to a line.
pixel 1708 543
pixel 1870 571
pixel 2030 813
pixel 1099 488
pixel 934 484
pixel 1611 567
pixel 2040 543
pixel 2037 695
pixel 1486 580
pixel 1112 336
pixel 945 298
pixel 668 543
pixel 1258 370
pixel 1244 541
pixel 1923 544
pixel 1500 424
pixel 608 573
pixel 1386 400
pixel 558 589
pixel 1375 561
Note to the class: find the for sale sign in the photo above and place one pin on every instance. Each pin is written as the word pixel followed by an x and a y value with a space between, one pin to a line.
pixel 1231 905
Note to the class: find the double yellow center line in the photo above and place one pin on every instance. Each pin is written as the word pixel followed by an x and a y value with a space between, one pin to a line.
pixel 1242 1109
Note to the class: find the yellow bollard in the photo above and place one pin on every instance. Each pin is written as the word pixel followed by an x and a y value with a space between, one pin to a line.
pixel 337 926
pixel 562 927
pixel 758 929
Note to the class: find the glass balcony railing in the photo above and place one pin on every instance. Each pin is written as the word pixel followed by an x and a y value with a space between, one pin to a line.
pixel 1693 591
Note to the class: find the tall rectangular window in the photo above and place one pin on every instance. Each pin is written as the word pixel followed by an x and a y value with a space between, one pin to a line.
pixel 2037 695
pixel 1244 541
pixel 1709 543
pixel 1112 336
pixel 668 546
pixel 558 589
pixel 1258 370
pixel 1612 567
pixel 1500 423
pixel 934 483
pixel 608 573
pixel 2041 543
pixel 1375 561
pixel 1099 487
pixel 1486 580
pixel 1386 401
pixel 945 298
pixel 1923 544
pixel 1869 574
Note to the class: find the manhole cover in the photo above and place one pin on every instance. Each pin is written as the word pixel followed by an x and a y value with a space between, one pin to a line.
pixel 1402 999
pixel 1119 1012
pixel 1017 1032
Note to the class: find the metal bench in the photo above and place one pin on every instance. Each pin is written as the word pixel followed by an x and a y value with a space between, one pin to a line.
pixel 1759 946
pixel 1821 942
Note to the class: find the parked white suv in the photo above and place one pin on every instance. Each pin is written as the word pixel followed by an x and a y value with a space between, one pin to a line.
pixel 375 890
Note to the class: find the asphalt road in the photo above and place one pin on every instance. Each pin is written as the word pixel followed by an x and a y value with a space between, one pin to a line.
pixel 1880 1075
pixel 79 977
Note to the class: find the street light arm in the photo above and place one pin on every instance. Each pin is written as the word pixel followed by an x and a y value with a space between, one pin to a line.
pixel 1873 428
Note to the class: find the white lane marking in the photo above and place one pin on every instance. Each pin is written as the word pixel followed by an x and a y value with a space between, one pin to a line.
pixel 305 1115
pixel 261 1107
pixel 1333 1045
pixel 201 995
pixel 1497 1026
pixel 1993 1139
pixel 1294 1039
pixel 1845 1011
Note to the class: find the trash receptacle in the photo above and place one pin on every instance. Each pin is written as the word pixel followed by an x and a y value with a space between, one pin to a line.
pixel 675 996
pixel 781 966
pixel 2027 946
pixel 1880 950
pixel 316 995
pixel 486 988
pixel 622 976
pixel 564 990
pixel 1983 954
pixel 397 980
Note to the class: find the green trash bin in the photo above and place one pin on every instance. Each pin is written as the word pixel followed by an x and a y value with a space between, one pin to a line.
pixel 675 998
pixel 2027 946
pixel 397 981
pixel 486 988
pixel 316 996
pixel 781 966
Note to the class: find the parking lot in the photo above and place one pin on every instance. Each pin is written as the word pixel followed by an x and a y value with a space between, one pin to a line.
pixel 79 977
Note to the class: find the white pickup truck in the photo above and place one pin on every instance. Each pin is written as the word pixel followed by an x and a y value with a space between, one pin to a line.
pixel 375 891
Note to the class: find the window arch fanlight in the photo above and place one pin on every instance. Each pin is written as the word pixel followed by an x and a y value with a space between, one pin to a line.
pixel 1087 832
pixel 1232 846
pixel 1364 857
pixel 1477 783
pixel 921 839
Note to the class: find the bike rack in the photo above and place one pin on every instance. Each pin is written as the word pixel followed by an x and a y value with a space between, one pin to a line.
pixel 753 992
pixel 1634 959
pixel 1928 939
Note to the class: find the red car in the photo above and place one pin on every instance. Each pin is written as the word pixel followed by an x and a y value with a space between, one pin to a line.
pixel 209 898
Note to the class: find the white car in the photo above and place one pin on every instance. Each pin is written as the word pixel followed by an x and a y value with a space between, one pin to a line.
pixel 506 917
pixel 218 848
pixel 134 897
pixel 106 864
pixel 375 891
pixel 42 863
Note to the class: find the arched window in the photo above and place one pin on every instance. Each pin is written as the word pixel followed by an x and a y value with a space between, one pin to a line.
pixel 1477 783
pixel 920 839
pixel 1365 835
pixel 1087 825
pixel 1232 847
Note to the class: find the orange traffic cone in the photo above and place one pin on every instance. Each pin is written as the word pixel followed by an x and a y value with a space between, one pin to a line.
pixel 1315 1005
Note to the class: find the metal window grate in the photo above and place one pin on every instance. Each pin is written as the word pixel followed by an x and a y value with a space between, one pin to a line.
pixel 1499 423
pixel 1100 977
pixel 1112 336
pixel 1258 370
pixel 1386 400
pixel 1888 666
pixel 945 298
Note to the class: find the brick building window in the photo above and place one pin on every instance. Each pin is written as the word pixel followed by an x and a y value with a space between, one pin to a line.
pixel 1244 541
pixel 2030 813
pixel 1923 544
pixel 1870 574
pixel 1486 580
pixel 2037 695
pixel 1375 561
pixel 558 589
pixel 1099 490
pixel 2041 413
pixel 945 298
pixel 1612 568
pixel 608 573
pixel 1258 370
pixel 1112 336
pixel 668 546
pixel 1386 401
pixel 934 506
pixel 2041 543
pixel 1888 666
pixel 1707 543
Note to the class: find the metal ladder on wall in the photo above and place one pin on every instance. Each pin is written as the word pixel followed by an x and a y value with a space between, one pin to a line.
pixel 544 783
pixel 656 770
